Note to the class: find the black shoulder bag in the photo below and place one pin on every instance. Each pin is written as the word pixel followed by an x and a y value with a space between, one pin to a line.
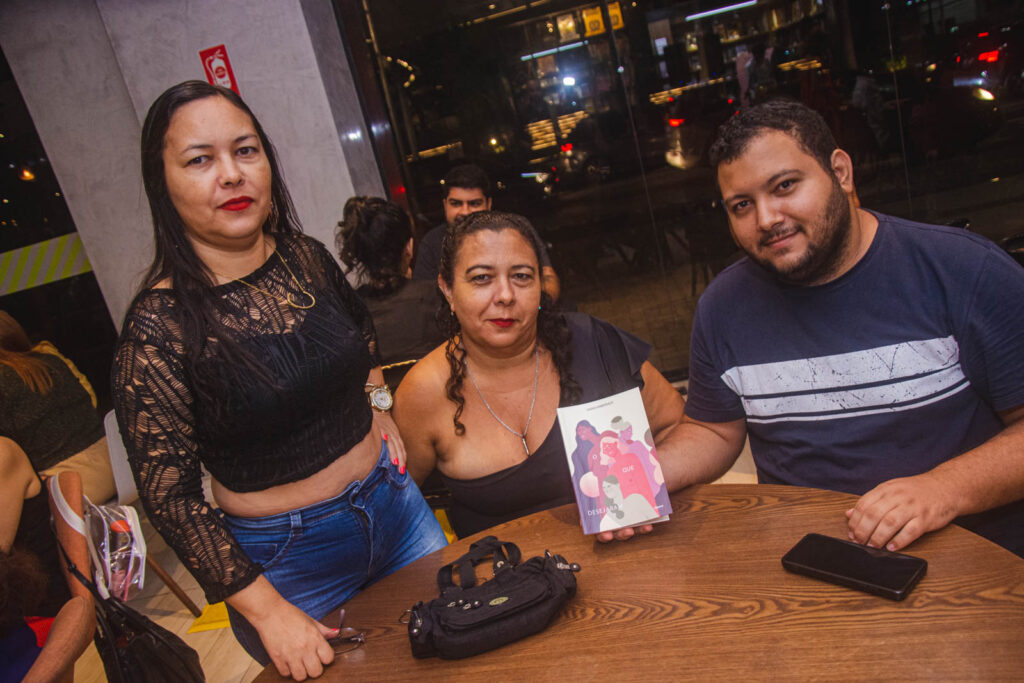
pixel 134 649
pixel 468 619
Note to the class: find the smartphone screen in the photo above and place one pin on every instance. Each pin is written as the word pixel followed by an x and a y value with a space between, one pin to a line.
pixel 880 572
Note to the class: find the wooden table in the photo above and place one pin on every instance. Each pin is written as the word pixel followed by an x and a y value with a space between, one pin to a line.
pixel 705 597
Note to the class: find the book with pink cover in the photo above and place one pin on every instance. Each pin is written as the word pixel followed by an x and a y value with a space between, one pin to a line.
pixel 614 465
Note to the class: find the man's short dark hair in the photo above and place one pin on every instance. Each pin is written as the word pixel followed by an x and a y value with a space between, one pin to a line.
pixel 799 122
pixel 468 177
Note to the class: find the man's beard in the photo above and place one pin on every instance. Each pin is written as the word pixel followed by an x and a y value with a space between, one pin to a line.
pixel 821 259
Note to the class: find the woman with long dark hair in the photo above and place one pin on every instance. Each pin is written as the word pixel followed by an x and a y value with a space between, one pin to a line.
pixel 482 408
pixel 374 240
pixel 246 351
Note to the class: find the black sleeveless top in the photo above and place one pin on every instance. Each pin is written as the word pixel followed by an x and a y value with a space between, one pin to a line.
pixel 249 435
pixel 50 427
pixel 605 361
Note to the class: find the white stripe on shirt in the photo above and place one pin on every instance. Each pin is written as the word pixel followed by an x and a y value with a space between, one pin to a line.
pixel 884 379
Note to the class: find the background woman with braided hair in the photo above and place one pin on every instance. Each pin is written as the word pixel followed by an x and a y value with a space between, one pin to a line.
pixel 481 409
pixel 374 240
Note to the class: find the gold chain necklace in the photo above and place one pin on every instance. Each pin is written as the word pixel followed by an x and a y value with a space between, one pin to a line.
pixel 533 401
pixel 287 300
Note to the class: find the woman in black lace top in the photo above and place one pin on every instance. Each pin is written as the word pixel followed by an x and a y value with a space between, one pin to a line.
pixel 246 351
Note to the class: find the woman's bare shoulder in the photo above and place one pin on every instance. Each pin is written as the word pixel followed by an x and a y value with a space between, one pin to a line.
pixel 424 384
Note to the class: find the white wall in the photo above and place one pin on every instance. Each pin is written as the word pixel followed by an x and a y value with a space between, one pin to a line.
pixel 88 70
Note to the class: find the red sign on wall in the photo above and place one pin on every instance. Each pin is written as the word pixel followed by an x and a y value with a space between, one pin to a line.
pixel 218 67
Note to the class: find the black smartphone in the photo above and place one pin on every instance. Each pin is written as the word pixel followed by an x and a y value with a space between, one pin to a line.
pixel 845 563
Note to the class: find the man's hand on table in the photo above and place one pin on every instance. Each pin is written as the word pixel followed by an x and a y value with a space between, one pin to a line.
pixel 897 512
pixel 624 534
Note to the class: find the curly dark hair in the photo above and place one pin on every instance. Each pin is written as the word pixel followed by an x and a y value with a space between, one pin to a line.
pixel 372 236
pixel 803 124
pixel 22 587
pixel 552 329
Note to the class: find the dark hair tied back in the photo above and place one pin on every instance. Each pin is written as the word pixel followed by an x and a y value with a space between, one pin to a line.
pixel 552 329
pixel 371 238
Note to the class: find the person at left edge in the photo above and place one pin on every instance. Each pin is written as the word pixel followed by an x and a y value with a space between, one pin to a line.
pixel 246 351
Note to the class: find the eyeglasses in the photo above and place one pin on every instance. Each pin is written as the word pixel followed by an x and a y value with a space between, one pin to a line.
pixel 347 640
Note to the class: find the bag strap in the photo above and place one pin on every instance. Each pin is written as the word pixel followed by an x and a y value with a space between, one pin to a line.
pixel 73 570
pixel 506 554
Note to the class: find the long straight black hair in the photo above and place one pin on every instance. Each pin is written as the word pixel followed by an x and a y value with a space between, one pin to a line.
pixel 175 259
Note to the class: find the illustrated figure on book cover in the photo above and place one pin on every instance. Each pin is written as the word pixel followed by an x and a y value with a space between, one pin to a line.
pixel 617 479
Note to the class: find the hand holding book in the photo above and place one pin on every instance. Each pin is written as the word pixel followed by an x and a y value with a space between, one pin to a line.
pixel 617 478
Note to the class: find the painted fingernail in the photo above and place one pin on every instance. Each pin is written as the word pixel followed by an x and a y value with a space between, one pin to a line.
pixel 891 547
pixel 401 470
pixel 394 461
pixel 384 435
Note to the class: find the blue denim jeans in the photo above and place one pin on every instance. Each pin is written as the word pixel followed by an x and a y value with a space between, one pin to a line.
pixel 319 556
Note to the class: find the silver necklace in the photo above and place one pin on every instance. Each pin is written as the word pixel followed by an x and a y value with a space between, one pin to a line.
pixel 533 401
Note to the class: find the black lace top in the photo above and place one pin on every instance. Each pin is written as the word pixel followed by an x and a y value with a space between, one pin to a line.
pixel 249 435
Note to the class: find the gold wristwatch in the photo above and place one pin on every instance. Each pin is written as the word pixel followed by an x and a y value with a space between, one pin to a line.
pixel 379 397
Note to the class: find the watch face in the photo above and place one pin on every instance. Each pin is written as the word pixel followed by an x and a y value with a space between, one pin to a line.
pixel 380 398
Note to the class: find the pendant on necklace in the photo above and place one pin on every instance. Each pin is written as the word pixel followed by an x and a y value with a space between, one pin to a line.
pixel 312 301
pixel 525 447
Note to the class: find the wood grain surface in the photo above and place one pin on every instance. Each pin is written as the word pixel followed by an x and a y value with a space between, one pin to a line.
pixel 705 597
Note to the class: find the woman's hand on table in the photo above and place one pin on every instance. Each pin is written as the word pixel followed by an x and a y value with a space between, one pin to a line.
pixel 296 643
pixel 625 533
pixel 385 424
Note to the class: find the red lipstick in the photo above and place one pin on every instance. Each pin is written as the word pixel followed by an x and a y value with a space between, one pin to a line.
pixel 502 322
pixel 237 204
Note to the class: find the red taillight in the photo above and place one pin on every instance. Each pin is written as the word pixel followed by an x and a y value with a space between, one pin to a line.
pixel 983 34
pixel 567 147
pixel 990 56
pixel 731 100
pixel 675 123
pixel 958 59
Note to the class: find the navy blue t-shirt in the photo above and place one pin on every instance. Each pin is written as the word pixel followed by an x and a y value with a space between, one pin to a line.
pixel 895 367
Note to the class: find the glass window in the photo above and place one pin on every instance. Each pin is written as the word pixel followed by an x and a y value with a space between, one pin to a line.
pixel 594 120
pixel 46 282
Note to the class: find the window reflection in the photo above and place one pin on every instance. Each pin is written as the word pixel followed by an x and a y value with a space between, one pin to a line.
pixel 594 120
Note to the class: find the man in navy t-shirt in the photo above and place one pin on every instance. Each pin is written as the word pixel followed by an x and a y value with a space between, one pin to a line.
pixel 860 352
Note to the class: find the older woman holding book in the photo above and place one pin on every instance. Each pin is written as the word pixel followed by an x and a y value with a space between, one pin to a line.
pixel 481 408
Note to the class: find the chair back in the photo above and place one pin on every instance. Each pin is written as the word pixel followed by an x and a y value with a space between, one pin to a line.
pixel 123 479
pixel 395 372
